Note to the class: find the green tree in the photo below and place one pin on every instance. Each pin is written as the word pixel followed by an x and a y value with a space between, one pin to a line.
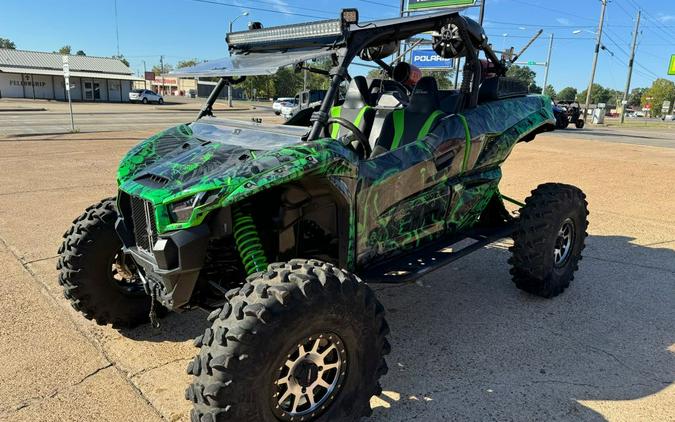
pixel 157 69
pixel 534 89
pixel 7 43
pixel 443 77
pixel 567 94
pixel 287 83
pixel 599 94
pixel 522 73
pixel 122 59
pixel 550 91
pixel 65 50
pixel 635 97
pixel 186 63
pixel 660 91
pixel 80 53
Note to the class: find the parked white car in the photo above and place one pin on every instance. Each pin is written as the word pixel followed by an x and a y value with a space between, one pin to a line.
pixel 289 108
pixel 278 103
pixel 145 96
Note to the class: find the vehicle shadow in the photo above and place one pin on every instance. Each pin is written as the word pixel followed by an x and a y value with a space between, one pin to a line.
pixel 173 328
pixel 467 345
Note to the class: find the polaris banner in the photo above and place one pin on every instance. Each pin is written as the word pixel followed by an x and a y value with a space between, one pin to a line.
pixel 434 4
pixel 428 59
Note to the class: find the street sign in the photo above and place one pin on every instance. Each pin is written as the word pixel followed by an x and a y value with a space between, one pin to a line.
pixel 66 67
pixel 671 68
pixel 666 107
pixel 435 4
pixel 428 59
pixel 66 77
pixel 531 63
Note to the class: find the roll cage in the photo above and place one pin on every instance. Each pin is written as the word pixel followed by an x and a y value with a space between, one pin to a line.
pixel 345 39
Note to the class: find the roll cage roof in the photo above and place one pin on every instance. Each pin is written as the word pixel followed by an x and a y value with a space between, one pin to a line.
pixel 263 51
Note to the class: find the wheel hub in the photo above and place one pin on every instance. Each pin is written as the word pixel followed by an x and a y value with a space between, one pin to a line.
pixel 310 378
pixel 564 243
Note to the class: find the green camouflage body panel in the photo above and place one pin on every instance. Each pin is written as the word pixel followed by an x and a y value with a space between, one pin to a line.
pixel 227 173
pixel 429 188
pixel 440 185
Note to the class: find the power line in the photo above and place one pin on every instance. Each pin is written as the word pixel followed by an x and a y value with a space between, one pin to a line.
pixel 379 4
pixel 260 9
pixel 552 10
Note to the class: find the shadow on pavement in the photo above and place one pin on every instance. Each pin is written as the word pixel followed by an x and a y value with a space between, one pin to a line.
pixel 467 345
pixel 174 328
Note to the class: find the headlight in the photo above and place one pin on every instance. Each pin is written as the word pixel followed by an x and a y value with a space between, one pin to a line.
pixel 181 211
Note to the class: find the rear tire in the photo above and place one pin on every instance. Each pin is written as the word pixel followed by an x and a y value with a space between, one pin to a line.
pixel 160 101
pixel 87 272
pixel 144 101
pixel 251 365
pixel 548 244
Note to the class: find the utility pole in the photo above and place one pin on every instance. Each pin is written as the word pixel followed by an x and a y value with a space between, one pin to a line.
pixel 598 43
pixel 630 67
pixel 161 73
pixel 145 80
pixel 548 61
pixel 117 30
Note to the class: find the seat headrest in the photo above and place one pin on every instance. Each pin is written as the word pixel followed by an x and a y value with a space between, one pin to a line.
pixel 357 95
pixel 424 98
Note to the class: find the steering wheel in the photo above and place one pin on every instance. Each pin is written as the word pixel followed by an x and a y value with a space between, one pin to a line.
pixel 363 140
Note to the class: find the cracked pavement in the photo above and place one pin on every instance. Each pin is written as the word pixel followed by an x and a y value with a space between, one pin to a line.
pixel 466 345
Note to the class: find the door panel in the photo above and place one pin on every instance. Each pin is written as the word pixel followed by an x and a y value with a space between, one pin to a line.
pixel 400 201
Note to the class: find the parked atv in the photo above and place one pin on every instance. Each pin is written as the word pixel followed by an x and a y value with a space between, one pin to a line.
pixel 276 229
pixel 574 113
pixel 562 120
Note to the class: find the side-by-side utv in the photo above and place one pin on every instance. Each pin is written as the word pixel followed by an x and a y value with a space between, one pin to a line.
pixel 277 229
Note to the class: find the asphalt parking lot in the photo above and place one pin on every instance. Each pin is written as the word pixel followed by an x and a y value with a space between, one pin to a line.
pixel 466 345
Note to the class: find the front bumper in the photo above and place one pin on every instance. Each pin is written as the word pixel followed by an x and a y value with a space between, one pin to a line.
pixel 171 268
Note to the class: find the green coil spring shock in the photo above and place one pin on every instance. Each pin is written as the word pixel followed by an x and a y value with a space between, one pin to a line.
pixel 248 241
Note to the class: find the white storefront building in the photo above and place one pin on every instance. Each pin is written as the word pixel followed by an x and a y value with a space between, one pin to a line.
pixel 38 75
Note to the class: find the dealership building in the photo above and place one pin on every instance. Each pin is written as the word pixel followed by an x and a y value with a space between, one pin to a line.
pixel 39 75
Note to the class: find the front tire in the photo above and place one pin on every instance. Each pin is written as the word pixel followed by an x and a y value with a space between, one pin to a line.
pixel 580 124
pixel 92 270
pixel 160 101
pixel 302 341
pixel 549 241
pixel 144 101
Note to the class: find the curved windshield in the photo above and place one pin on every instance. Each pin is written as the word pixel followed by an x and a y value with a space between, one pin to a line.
pixel 247 135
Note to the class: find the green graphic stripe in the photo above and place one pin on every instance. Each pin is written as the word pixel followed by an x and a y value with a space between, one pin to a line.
pixel 511 200
pixel 467 149
pixel 427 125
pixel 399 120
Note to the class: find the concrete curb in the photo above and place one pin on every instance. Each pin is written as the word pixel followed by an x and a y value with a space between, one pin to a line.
pixel 14 110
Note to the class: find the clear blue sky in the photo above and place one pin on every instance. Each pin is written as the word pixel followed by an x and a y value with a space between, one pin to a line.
pixel 183 29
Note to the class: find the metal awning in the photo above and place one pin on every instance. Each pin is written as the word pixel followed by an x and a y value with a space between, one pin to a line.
pixel 96 75
pixel 251 64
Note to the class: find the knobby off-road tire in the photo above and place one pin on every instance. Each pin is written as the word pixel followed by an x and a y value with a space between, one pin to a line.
pixel 549 241
pixel 88 252
pixel 255 339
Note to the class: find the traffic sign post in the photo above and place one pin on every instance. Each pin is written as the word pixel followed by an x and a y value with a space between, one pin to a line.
pixel 435 4
pixel 66 78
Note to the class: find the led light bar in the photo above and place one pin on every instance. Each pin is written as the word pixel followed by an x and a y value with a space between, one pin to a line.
pixel 283 34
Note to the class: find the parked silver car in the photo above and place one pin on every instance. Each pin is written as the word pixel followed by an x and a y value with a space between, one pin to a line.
pixel 145 96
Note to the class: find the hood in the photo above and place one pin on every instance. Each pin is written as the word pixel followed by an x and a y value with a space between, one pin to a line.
pixel 227 160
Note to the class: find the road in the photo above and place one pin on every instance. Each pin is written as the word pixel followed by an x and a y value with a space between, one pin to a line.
pixel 90 118
pixel 466 345
pixel 657 137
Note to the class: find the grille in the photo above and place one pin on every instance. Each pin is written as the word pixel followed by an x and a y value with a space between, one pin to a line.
pixel 145 229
